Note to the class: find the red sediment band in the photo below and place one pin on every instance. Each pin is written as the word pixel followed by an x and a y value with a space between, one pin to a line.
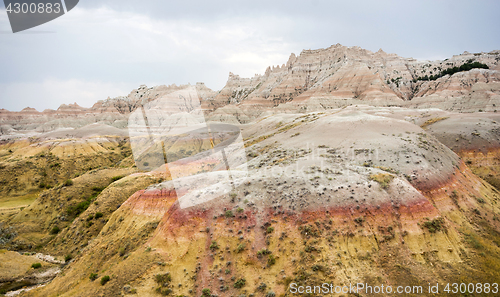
pixel 152 201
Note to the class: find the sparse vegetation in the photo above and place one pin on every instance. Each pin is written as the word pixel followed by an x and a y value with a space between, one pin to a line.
pixel 432 121
pixel 383 179
pixel 93 276
pixel 240 247
pixel 104 280
pixel 263 252
pixel 36 265
pixel 82 206
pixel 240 283
pixel 271 260
pixel 115 178
pixel 68 183
pixel 214 245
pixel 55 230
pixel 434 225
pixel 121 251
pixel 163 279
pixel 450 71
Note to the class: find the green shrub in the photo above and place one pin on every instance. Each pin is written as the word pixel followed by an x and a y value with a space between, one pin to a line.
pixel 36 265
pixel 68 183
pixel 115 178
pixel 229 214
pixel 450 71
pixel 270 230
pixel 98 215
pixel 263 252
pixel 79 207
pixel 240 247
pixel 121 251
pixel 239 209
pixel 214 245
pixel 104 280
pixel 82 206
pixel 93 276
pixel 434 225
pixel 262 287
pixel 240 283
pixel 68 257
pixel 271 260
pixel 55 230
pixel 163 278
pixel 206 292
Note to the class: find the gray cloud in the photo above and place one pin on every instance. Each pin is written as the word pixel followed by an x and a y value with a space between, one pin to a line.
pixel 104 48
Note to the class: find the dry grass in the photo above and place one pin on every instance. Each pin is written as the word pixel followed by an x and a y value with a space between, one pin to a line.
pixel 432 121
pixel 384 179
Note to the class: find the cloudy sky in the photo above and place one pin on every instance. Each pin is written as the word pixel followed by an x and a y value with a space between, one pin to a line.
pixel 106 48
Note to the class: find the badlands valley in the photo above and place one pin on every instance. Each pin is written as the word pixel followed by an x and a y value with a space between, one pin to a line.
pixel 360 167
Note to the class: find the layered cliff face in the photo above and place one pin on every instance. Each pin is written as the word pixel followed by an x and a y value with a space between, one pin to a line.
pixel 112 112
pixel 341 76
pixel 315 80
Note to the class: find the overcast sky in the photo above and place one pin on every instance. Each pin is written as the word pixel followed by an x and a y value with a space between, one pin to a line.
pixel 107 48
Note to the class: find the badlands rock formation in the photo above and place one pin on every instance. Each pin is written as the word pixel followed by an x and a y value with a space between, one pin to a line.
pixel 358 171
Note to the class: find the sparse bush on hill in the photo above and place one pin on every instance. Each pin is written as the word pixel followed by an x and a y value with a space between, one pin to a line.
pixel 163 279
pixel 82 206
pixel 98 215
pixel 263 252
pixel 383 179
pixel 105 279
pixel 68 257
pixel 55 230
pixel 240 283
pixel 262 286
pixel 68 183
pixel 93 276
pixel 164 292
pixel 450 71
pixel 115 178
pixel 240 247
pixel 214 245
pixel 36 265
pixel 434 225
pixel 121 251
pixel 271 260
pixel 206 292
